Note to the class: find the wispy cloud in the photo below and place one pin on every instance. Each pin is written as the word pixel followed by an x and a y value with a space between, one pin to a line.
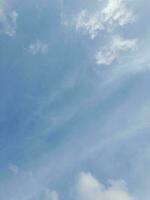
pixel 8 19
pixel 111 52
pixel 38 47
pixel 75 110
pixel 92 24
pixel 89 188
pixel 14 169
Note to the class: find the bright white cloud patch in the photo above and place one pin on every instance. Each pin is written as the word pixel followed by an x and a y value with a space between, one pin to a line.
pixel 111 52
pixel 91 189
pixel 8 19
pixel 115 13
pixel 38 47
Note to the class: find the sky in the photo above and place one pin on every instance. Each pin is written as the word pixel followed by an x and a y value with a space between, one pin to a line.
pixel 74 100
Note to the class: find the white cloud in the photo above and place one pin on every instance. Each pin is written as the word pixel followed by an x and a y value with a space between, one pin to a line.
pixel 92 24
pixel 8 19
pixel 115 13
pixel 38 47
pixel 111 52
pixel 89 188
pixel 107 18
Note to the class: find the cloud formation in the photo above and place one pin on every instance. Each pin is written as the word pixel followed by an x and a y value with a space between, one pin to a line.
pixel 111 52
pixel 89 188
pixel 115 13
pixel 106 19
pixel 8 19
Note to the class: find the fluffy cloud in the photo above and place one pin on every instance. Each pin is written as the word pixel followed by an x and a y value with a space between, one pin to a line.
pixel 111 52
pixel 115 13
pixel 91 189
pixel 8 19
pixel 38 47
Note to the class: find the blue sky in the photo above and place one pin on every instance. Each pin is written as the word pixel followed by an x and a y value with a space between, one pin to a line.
pixel 75 101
